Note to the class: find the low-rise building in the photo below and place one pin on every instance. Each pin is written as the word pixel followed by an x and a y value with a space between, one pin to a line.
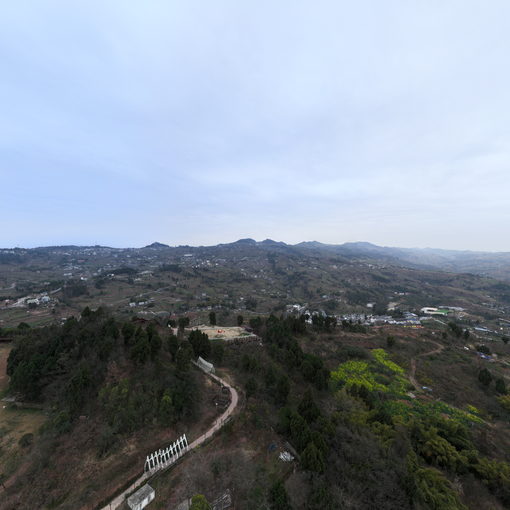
pixel 141 498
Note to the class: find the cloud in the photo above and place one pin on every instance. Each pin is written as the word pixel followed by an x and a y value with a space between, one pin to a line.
pixel 205 121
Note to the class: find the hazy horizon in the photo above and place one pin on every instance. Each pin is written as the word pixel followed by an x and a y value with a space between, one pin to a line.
pixel 194 123
pixel 242 238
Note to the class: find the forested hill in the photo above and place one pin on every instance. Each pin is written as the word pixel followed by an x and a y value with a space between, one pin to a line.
pixel 342 398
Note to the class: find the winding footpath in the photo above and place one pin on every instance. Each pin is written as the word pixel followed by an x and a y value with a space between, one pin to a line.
pixel 218 424
pixel 412 374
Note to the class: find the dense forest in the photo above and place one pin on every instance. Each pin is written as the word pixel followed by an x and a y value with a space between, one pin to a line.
pixel 69 368
pixel 362 440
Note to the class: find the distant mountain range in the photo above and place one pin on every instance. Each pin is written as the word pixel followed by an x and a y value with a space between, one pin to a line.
pixel 495 265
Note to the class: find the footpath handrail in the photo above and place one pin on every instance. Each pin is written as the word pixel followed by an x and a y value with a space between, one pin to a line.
pixel 118 500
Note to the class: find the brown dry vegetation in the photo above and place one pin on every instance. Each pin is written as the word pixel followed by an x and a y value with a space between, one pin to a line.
pixel 14 424
pixel 66 472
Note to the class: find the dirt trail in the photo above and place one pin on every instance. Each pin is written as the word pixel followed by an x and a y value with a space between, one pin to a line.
pixel 119 500
pixel 412 374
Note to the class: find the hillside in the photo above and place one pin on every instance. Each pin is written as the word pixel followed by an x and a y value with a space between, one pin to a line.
pixel 105 395
pixel 495 265
pixel 42 285
pixel 365 418
pixel 364 383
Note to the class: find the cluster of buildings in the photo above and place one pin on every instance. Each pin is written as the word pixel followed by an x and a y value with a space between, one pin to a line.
pixel 30 301
pixel 408 319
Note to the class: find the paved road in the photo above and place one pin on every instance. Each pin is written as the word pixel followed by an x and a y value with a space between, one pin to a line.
pixel 223 418
pixel 117 502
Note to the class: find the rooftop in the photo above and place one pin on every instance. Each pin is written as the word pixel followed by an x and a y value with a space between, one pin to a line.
pixel 141 494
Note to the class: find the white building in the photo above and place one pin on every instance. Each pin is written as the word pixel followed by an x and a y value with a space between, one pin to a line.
pixel 141 498
pixel 205 365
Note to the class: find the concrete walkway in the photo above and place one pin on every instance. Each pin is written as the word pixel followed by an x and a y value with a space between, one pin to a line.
pixel 119 500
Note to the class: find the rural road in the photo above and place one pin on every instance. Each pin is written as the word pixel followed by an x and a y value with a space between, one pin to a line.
pixel 118 500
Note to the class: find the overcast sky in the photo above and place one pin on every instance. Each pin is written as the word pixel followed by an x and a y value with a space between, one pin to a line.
pixel 199 122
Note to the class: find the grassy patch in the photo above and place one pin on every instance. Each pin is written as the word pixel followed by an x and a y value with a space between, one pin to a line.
pixel 383 375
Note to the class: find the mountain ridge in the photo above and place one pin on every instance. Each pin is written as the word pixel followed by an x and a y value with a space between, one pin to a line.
pixel 493 264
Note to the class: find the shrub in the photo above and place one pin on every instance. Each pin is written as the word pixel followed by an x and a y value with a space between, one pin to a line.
pixel 485 377
pixel 505 402
pixel 26 440
pixel 435 491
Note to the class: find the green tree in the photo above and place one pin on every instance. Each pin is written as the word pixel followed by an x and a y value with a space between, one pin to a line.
pixel 307 408
pixel 26 440
pixel 437 450
pixel 199 502
pixel 390 341
pixel 184 356
pixel 240 320
pixel 183 322
pixel 251 304
pixel 128 331
pixel 485 377
pixel 282 389
pixel 455 329
pixel 212 318
pixel 320 497
pixel 501 386
pixel 110 328
pixel 483 349
pixel 141 350
pixel 505 401
pixel 380 309
pixel 300 431
pixel 172 346
pixel 505 339
pixel 217 351
pixel 278 498
pixel 78 387
pixel 435 491
pixel 251 387
pixel 312 459
pixel 200 343
pixel 256 324
pixel 155 343
pixel 166 408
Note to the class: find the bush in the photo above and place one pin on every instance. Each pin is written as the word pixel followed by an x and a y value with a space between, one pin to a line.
pixel 106 442
pixel 501 386
pixel 278 498
pixel 26 440
pixel 485 377
pixel 251 387
pixel 505 402
pixel 199 502
pixel 312 459
pixel 435 491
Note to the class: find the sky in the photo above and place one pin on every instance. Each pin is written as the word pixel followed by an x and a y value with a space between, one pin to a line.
pixel 202 122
